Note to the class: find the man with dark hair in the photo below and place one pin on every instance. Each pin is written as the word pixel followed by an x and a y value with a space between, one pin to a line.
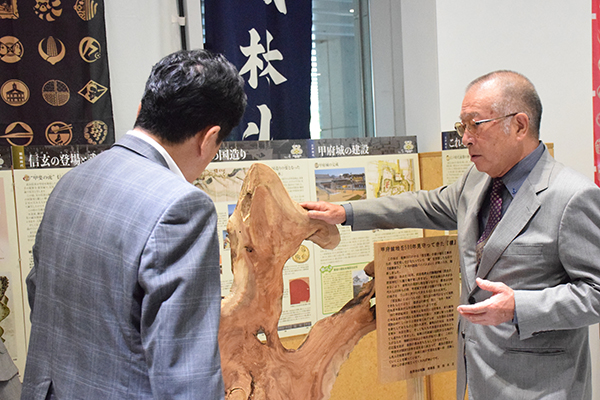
pixel 125 289
pixel 528 235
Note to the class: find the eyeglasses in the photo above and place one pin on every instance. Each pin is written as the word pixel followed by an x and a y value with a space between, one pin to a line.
pixel 471 125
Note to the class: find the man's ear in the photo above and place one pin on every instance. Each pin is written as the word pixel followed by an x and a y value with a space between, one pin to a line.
pixel 521 121
pixel 209 139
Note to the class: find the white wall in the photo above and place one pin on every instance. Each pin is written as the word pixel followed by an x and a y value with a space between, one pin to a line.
pixel 426 52
pixel 139 33
pixel 549 41
pixel 405 70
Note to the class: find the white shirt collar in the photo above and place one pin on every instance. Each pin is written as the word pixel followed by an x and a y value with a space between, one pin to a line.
pixel 170 162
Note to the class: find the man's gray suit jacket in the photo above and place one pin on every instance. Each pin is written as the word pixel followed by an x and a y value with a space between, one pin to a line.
pixel 547 249
pixel 125 288
pixel 10 385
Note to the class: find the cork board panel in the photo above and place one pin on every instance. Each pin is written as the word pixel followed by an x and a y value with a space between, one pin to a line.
pixel 357 379
pixel 430 168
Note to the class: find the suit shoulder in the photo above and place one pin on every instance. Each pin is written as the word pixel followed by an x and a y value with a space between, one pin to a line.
pixel 568 178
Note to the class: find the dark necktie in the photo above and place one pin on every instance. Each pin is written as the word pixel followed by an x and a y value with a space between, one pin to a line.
pixel 494 216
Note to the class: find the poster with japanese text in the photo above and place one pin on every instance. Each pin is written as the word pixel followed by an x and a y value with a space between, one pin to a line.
pixel 339 271
pixel 32 188
pixel 222 182
pixel 596 86
pixel 317 282
pixel 12 318
pixel 454 164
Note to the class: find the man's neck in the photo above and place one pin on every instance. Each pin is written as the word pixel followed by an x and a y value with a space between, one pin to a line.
pixel 176 151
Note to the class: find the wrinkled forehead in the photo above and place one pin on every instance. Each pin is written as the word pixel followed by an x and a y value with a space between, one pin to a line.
pixel 478 101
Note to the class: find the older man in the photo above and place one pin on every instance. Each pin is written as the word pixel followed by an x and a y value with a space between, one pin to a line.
pixel 529 234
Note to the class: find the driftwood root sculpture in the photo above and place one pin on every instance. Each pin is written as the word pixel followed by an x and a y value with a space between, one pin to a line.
pixel 265 230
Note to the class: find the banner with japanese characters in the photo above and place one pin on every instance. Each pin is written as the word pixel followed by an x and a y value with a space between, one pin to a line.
pixel 54 77
pixel 269 41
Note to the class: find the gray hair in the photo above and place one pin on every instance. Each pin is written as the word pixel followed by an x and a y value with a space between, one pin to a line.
pixel 517 95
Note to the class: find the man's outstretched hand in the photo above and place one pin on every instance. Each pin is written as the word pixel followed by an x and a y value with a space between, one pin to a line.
pixel 330 213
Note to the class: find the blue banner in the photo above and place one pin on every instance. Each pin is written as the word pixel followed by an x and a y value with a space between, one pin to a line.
pixel 269 41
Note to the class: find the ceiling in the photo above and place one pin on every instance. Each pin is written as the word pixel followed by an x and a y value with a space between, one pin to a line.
pixel 333 18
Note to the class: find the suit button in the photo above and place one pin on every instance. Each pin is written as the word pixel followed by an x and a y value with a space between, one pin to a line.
pixel 472 300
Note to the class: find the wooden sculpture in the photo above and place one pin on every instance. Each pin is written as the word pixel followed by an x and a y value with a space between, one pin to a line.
pixel 265 230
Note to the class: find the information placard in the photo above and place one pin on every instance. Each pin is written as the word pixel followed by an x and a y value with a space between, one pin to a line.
pixel 454 164
pixel 417 286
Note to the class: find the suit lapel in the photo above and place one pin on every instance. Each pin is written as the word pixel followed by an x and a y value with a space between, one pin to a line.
pixel 519 213
pixel 470 233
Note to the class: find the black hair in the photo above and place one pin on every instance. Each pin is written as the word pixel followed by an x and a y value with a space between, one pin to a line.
pixel 189 91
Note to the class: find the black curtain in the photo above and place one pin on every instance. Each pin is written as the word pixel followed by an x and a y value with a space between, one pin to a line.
pixel 54 76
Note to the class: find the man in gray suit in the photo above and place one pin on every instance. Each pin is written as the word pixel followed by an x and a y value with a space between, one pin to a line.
pixel 10 385
pixel 125 289
pixel 531 286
